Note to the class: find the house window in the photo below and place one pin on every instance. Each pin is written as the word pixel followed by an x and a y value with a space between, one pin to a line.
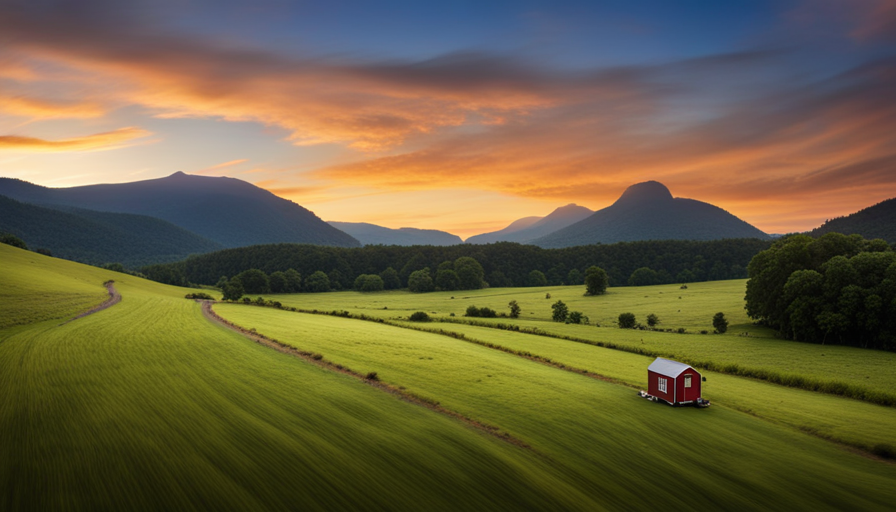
pixel 661 384
pixel 687 381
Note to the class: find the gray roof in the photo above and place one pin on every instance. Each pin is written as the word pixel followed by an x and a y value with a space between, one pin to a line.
pixel 667 367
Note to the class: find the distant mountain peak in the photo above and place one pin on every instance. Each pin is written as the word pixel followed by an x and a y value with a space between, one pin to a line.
pixel 648 191
pixel 178 174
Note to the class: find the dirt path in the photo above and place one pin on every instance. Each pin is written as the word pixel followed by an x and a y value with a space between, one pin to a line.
pixel 114 298
pixel 369 379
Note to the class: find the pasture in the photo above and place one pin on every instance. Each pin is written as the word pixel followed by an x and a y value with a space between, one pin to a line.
pixel 147 405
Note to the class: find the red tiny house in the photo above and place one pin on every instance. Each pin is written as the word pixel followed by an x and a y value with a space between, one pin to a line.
pixel 675 383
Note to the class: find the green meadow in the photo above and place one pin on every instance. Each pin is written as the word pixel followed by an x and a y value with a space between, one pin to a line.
pixel 147 405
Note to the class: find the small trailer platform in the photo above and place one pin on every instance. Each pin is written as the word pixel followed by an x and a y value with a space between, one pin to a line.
pixel 700 402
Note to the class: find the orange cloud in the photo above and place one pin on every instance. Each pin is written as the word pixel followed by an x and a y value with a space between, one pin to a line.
pixel 97 142
pixel 215 168
pixel 46 109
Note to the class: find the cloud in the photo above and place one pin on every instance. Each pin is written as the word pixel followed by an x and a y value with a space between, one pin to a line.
pixel 215 168
pixel 96 142
pixel 48 109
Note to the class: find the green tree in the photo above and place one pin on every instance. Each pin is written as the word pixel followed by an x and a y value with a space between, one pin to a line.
pixel 514 309
pixel 232 290
pixel 391 281
pixel 596 281
pixel 470 273
pixel 254 281
pixel 369 283
pixel 221 282
pixel 447 280
pixel 293 281
pixel 560 311
pixel 420 281
pixel 317 282
pixel 643 276
pixel 576 317
pixel 277 282
pixel 627 321
pixel 536 278
pixel 653 320
pixel 10 239
pixel 472 311
pixel 574 277
pixel 720 323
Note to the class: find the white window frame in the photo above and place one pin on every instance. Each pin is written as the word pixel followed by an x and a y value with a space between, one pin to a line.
pixel 687 381
pixel 662 384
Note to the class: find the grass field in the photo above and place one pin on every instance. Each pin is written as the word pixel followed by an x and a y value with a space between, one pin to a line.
pixel 612 441
pixel 147 405
pixel 760 351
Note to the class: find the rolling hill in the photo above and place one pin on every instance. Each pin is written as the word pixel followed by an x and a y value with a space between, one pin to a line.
pixel 371 234
pixel 647 211
pixel 522 231
pixel 100 237
pixel 878 221
pixel 228 211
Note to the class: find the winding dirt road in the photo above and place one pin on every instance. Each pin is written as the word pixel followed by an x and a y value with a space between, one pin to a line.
pixel 114 298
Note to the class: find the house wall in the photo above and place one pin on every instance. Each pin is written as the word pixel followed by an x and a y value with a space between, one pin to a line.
pixel 653 386
pixel 692 393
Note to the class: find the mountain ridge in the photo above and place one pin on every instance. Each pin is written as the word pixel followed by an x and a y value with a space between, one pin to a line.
pixel 557 219
pixel 372 234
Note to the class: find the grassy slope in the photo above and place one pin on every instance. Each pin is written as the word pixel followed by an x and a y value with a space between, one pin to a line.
pixel 147 405
pixel 615 444
pixel 760 350
pixel 851 421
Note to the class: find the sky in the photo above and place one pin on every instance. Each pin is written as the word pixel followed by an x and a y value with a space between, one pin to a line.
pixel 461 116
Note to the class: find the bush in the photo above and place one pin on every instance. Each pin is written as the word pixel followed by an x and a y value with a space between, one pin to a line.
pixel 627 321
pixel 514 309
pixel 561 311
pixel 10 239
pixel 681 330
pixel 419 316
pixel 372 376
pixel 720 323
pixel 596 281
pixel 487 313
pixel 577 317
pixel 420 281
pixel 369 283
pixel 472 311
pixel 652 320
pixel 200 295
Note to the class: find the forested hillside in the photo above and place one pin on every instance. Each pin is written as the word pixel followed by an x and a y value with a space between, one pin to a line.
pixel 505 264
pixel 878 221
pixel 100 237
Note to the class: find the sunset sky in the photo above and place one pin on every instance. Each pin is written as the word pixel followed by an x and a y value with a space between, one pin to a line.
pixel 461 116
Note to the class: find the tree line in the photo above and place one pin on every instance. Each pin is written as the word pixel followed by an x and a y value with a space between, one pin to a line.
pixel 834 289
pixel 503 264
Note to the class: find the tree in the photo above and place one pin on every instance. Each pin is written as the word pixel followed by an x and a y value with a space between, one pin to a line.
pixel 472 311
pixel 391 281
pixel 277 281
pixel 514 309
pixel 232 290
pixel 369 283
pixel 317 282
pixel 254 281
pixel 561 311
pixel 627 321
pixel 720 323
pixel 596 281
pixel 470 273
pixel 643 276
pixel 536 278
pixel 577 317
pixel 653 320
pixel 420 281
pixel 447 280
pixel 293 281
pixel 575 277
pixel 221 282
pixel 10 239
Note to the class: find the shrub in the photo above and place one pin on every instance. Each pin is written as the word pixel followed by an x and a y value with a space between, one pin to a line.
pixel 561 311
pixel 487 313
pixel 372 376
pixel 514 309
pixel 419 316
pixel 681 330
pixel 247 300
pixel 652 320
pixel 577 317
pixel 720 323
pixel 547 295
pixel 472 311
pixel 683 287
pixel 626 321
pixel 704 331
pixel 884 451
pixel 200 295
pixel 596 281
pixel 10 239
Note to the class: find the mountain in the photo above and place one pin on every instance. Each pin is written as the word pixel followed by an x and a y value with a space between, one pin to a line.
pixel 100 237
pixel 878 221
pixel 371 234
pixel 647 211
pixel 558 219
pixel 228 211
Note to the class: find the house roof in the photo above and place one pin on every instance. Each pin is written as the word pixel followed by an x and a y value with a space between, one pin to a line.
pixel 667 367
